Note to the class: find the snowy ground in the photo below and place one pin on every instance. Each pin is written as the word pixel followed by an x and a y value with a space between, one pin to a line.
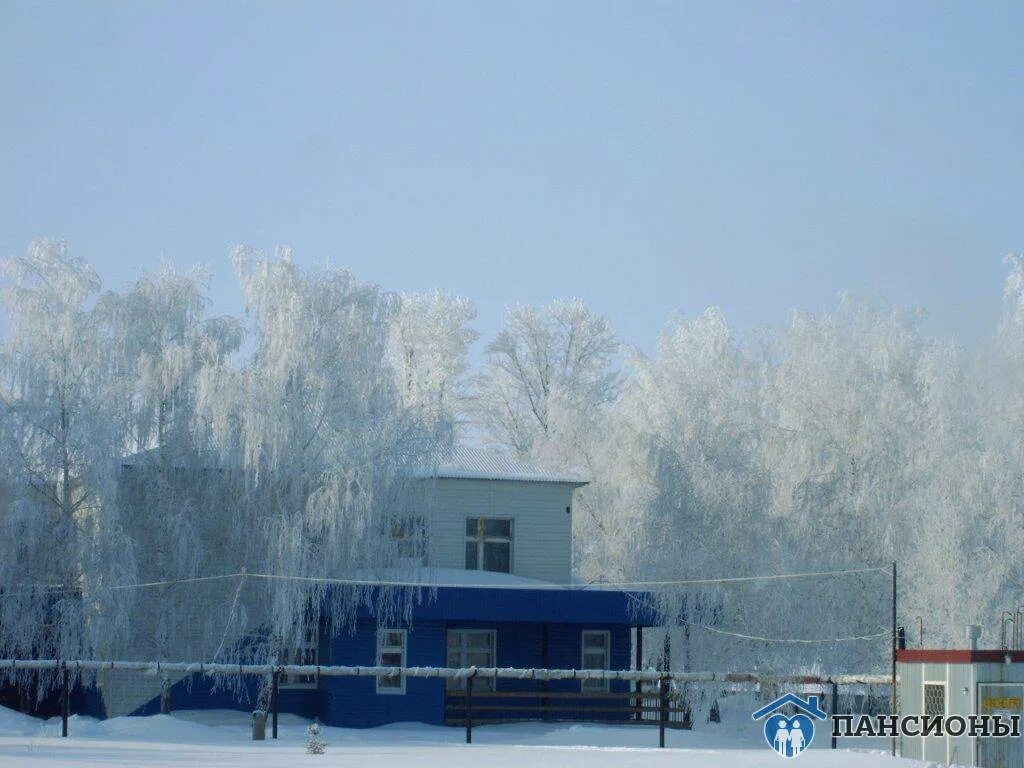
pixel 221 738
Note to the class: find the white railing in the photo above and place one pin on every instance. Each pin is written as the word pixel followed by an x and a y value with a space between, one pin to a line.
pixel 664 680
pixel 513 673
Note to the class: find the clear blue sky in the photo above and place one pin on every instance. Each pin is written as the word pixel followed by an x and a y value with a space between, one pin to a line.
pixel 648 157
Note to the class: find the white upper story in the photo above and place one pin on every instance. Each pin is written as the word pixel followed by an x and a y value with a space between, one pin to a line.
pixel 486 512
pixel 495 513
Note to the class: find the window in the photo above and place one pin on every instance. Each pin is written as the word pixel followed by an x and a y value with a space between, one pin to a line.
pixel 935 699
pixel 597 644
pixel 410 537
pixel 305 654
pixel 471 648
pixel 391 653
pixel 488 544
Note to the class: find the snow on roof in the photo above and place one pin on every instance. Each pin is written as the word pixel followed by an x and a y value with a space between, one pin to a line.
pixel 472 463
pixel 463 462
pixel 449 577
pixel 432 576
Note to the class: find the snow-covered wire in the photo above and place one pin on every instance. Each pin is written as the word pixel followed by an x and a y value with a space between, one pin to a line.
pixel 170 582
pixel 231 614
pixel 571 586
pixel 144 585
pixel 815 641
pixel 512 673
pixel 732 579
pixel 491 585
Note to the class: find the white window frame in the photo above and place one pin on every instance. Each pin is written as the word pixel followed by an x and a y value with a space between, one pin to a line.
pixel 308 654
pixel 411 536
pixel 460 683
pixel 595 686
pixel 381 649
pixel 481 540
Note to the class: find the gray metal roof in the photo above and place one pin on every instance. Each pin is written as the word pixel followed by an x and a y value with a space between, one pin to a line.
pixel 471 463
pixel 464 462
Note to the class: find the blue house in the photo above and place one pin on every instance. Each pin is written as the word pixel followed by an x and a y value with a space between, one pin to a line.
pixel 496 556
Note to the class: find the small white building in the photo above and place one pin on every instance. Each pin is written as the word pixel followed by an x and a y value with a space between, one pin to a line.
pixel 962 682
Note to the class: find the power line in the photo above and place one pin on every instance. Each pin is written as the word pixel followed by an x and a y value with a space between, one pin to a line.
pixel 169 582
pixel 571 586
pixel 802 641
pixel 484 585
pixel 731 579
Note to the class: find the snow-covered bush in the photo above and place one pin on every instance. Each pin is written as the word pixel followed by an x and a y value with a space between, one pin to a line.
pixel 315 745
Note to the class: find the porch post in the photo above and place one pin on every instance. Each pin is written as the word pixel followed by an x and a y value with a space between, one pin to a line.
pixel 275 700
pixel 662 709
pixel 545 660
pixel 64 706
pixel 469 709
pixel 638 686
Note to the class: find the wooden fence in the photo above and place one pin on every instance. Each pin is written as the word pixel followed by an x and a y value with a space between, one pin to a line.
pixel 468 707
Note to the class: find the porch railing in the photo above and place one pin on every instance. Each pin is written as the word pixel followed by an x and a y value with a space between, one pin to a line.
pixel 468 707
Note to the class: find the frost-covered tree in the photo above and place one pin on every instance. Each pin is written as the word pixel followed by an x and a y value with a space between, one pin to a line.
pixel 546 374
pixel 163 341
pixel 428 347
pixel 60 445
pixel 545 393
pixel 324 449
pixel 139 446
pixel 846 416
pixel 845 439
pixel 144 441
pixel 995 481
pixel 162 344
pixel 684 475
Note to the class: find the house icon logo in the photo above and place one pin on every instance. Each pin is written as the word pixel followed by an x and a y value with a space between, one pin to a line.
pixel 790 735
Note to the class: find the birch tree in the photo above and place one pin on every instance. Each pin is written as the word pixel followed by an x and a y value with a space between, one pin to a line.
pixel 162 343
pixel 546 374
pixel 428 347
pixel 326 450
pixel 60 446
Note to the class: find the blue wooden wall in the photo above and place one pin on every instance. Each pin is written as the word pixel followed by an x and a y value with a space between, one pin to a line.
pixel 353 702
pixel 517 615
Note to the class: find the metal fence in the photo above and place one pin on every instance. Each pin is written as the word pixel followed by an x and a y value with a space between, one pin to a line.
pixel 654 698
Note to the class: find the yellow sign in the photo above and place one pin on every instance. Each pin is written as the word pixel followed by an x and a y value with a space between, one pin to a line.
pixel 1001 702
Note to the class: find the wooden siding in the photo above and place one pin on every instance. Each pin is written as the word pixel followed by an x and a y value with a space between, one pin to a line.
pixel 353 701
pixel 542 531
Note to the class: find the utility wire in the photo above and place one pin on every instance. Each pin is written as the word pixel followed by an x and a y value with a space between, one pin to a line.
pixel 581 587
pixel 886 633
pixel 485 585
pixel 731 579
pixel 231 615
pixel 169 582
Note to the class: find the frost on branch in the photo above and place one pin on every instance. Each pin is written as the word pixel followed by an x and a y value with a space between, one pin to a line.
pixel 142 446
pixel 144 441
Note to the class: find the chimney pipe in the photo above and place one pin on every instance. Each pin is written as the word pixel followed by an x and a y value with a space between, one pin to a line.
pixel 973 635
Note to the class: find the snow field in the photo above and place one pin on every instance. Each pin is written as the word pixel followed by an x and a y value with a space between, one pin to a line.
pixel 216 738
